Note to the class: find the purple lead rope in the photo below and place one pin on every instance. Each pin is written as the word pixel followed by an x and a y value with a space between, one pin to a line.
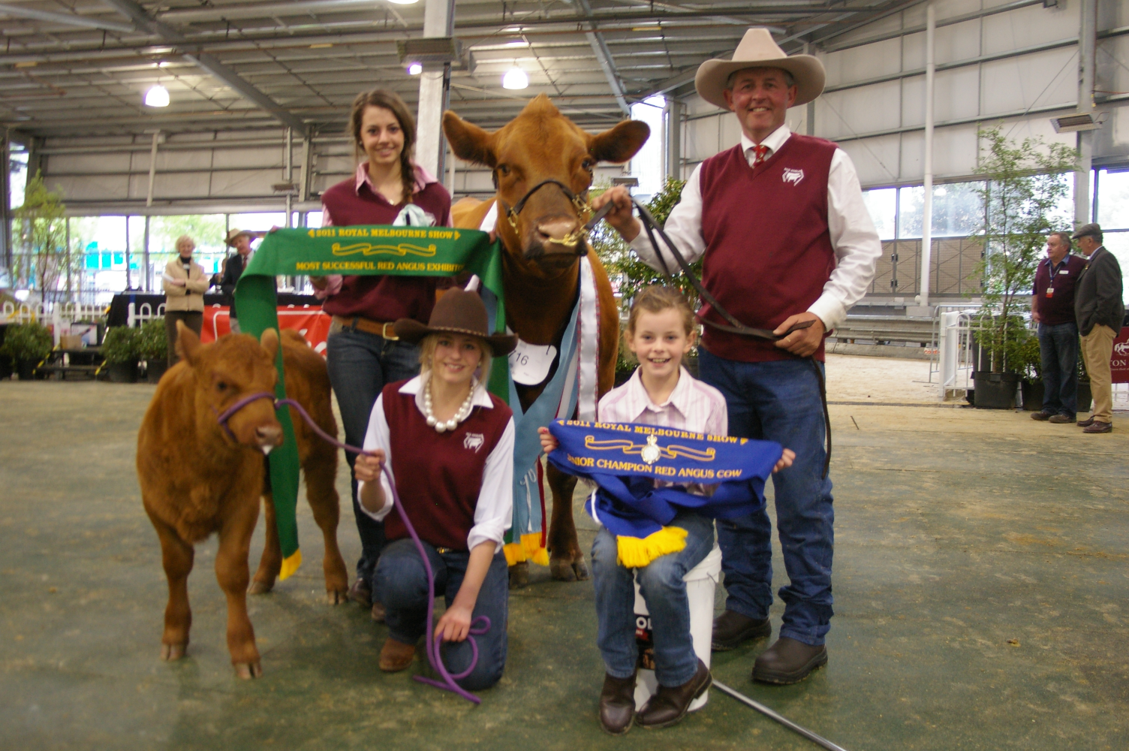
pixel 479 625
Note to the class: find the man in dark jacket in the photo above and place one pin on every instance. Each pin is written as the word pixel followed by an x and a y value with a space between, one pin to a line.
pixel 233 267
pixel 1099 310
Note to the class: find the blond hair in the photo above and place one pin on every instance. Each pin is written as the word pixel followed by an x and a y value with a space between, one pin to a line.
pixel 427 352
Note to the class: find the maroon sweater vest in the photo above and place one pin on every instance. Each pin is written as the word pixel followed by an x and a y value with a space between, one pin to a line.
pixel 438 475
pixel 382 298
pixel 1059 308
pixel 768 249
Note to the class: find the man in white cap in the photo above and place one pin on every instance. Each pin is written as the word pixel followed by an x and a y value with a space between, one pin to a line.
pixel 1099 309
pixel 786 239
pixel 233 267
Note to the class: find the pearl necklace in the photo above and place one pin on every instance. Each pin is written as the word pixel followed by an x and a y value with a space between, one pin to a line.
pixel 443 426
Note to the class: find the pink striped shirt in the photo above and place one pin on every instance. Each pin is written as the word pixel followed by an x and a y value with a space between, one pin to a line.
pixel 693 406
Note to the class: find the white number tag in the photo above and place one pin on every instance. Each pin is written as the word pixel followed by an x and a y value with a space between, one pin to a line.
pixel 530 363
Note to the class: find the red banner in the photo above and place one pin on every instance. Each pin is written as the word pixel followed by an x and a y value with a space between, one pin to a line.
pixel 311 323
pixel 1119 360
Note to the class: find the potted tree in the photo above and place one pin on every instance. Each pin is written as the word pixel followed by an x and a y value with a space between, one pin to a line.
pixel 154 349
pixel 121 350
pixel 1023 194
pixel 629 275
pixel 27 344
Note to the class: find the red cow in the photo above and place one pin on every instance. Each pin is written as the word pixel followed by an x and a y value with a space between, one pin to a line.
pixel 197 479
pixel 541 261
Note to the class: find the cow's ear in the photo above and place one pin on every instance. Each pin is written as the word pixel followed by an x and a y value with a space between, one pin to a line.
pixel 269 340
pixel 187 343
pixel 620 143
pixel 468 142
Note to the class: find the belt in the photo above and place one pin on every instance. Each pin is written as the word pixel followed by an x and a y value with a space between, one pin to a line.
pixel 369 327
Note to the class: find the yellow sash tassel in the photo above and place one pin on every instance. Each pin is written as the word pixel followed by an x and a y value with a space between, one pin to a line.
pixel 637 552
pixel 290 565
pixel 529 549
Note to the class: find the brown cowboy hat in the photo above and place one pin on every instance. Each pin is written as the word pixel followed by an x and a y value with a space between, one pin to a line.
pixel 458 312
pixel 757 50
pixel 234 233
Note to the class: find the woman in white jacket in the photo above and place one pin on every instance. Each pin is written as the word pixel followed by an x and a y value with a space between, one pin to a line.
pixel 184 283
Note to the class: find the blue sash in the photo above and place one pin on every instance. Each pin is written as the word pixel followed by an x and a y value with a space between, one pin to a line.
pixel 624 460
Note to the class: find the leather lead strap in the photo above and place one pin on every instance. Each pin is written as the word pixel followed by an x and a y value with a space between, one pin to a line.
pixel 652 226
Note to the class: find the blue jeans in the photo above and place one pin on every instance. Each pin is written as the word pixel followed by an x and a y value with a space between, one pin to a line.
pixel 664 591
pixel 779 401
pixel 402 581
pixel 360 364
pixel 1058 348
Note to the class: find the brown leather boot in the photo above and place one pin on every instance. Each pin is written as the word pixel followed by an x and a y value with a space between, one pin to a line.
pixel 396 655
pixel 669 705
pixel 788 661
pixel 617 704
pixel 731 629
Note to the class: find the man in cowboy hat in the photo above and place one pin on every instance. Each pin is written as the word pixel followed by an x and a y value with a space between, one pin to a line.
pixel 786 239
pixel 1100 310
pixel 233 267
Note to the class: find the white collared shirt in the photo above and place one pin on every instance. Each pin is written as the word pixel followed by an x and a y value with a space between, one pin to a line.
pixel 493 514
pixel 853 237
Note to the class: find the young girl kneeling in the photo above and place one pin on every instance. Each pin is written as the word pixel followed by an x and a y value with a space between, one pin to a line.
pixel 660 331
pixel 449 447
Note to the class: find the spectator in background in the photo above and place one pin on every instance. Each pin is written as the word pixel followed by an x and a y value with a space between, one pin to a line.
pixel 184 284
pixel 233 267
pixel 1100 310
pixel 1052 308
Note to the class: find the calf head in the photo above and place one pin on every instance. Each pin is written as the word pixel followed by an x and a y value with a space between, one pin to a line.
pixel 543 166
pixel 226 371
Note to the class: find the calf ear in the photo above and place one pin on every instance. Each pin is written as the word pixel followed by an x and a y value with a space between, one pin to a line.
pixel 620 143
pixel 468 142
pixel 187 343
pixel 269 340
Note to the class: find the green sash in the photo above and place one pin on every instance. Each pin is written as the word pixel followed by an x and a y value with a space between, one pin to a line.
pixel 352 251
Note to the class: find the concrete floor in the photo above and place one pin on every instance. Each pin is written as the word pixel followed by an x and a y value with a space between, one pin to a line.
pixel 981 583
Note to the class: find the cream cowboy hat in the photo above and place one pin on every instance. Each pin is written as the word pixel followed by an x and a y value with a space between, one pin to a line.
pixel 757 50
pixel 234 233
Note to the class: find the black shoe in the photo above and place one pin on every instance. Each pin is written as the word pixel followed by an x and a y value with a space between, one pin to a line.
pixel 361 593
pixel 731 629
pixel 617 704
pixel 1043 415
pixel 788 661
pixel 1086 423
pixel 669 705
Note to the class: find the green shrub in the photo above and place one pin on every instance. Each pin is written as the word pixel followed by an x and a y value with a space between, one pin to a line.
pixel 122 345
pixel 26 341
pixel 154 340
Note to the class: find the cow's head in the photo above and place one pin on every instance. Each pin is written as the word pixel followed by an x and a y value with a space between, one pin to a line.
pixel 224 372
pixel 542 224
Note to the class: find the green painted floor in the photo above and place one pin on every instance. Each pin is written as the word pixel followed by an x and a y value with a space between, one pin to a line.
pixel 981 582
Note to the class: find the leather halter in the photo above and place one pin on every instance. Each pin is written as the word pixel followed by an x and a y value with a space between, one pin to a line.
pixel 579 202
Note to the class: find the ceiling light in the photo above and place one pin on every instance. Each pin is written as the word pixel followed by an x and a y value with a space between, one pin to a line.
pixel 515 78
pixel 403 2
pixel 1081 121
pixel 415 69
pixel 158 96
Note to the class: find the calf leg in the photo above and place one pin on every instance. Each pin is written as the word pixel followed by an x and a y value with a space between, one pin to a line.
pixel 271 562
pixel 321 492
pixel 566 561
pixel 177 557
pixel 233 574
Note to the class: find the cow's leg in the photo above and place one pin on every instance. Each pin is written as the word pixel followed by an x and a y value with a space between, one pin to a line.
pixel 566 561
pixel 233 574
pixel 271 562
pixel 321 492
pixel 177 557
